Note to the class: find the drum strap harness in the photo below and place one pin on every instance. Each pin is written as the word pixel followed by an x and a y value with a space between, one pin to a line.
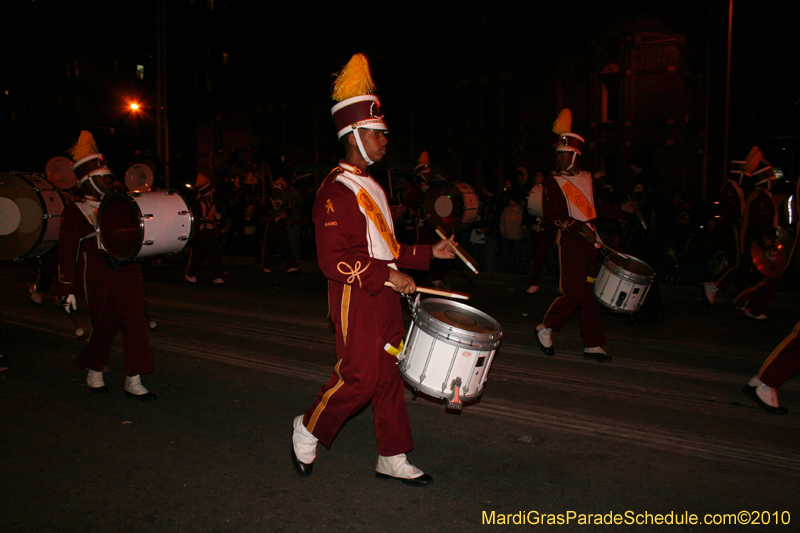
pixel 576 197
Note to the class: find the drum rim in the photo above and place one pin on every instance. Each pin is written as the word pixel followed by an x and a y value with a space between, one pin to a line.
pixel 452 187
pixel 436 393
pixel 627 274
pixel 129 199
pixel 470 338
pixel 45 218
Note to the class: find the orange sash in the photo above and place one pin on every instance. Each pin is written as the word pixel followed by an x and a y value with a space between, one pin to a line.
pixel 579 200
pixel 375 215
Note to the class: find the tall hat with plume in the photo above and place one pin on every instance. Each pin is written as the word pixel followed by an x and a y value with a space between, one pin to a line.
pixel 358 106
pixel 88 161
pixel 758 168
pixel 423 164
pixel 280 184
pixel 567 141
pixel 202 184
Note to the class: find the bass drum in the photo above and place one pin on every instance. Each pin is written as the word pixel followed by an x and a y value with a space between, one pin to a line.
pixel 449 345
pixel 535 201
pixel 451 205
pixel 136 225
pixel 30 215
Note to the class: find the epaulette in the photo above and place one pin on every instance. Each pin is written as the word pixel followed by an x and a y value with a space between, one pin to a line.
pixel 331 177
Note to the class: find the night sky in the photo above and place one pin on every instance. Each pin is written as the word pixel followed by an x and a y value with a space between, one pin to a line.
pixel 285 54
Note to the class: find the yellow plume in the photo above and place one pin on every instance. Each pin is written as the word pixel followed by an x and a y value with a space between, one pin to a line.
pixel 753 159
pixel 423 159
pixel 355 79
pixel 84 147
pixel 563 122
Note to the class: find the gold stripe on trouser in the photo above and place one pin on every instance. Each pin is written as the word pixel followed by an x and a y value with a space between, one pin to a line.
pixel 779 348
pixel 345 310
pixel 321 407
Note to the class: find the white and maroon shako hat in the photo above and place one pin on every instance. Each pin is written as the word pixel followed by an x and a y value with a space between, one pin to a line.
pixel 90 166
pixel 570 142
pixel 362 111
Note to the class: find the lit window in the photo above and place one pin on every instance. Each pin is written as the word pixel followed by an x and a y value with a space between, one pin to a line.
pixel 140 71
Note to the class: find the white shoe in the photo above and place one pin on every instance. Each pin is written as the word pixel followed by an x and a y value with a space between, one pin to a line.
pixel 711 291
pixel 748 314
pixel 135 389
pixel 219 281
pixel 398 467
pixel 303 442
pixel 35 296
pixel 545 335
pixel 293 269
pixel 533 289
pixel 191 279
pixel 95 379
pixel 767 394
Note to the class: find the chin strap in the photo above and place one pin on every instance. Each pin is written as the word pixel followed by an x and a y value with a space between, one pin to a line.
pixel 361 147
pixel 572 163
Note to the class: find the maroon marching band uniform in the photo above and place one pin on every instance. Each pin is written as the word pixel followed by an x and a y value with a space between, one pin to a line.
pixel 731 204
pixel 276 235
pixel 760 222
pixel 783 362
pixel 115 296
pixel 206 238
pixel 367 315
pixel 577 258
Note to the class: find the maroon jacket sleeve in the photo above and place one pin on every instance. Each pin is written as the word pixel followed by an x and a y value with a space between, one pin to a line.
pixel 74 227
pixel 341 235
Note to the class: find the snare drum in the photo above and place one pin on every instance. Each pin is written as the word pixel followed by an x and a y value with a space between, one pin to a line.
pixel 453 205
pixel 535 201
pixel 449 344
pixel 30 215
pixel 623 283
pixel 143 224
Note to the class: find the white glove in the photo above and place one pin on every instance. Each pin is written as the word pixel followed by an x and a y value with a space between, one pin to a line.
pixel 69 303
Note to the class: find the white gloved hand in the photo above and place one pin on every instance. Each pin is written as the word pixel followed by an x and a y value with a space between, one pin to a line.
pixel 69 303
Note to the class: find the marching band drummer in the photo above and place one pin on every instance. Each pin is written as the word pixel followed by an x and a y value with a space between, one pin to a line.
pixel 759 225
pixel 114 290
pixel 569 201
pixel 357 251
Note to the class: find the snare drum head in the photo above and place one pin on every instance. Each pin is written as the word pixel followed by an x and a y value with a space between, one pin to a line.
pixel 21 214
pixel 120 226
pixel 630 265
pixel 458 319
pixel 59 172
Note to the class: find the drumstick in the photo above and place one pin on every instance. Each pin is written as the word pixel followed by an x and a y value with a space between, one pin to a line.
pixel 437 292
pixel 639 214
pixel 464 256
pixel 78 330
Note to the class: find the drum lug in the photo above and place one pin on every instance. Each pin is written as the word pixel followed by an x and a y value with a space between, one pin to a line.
pixel 455 401
pixel 148 243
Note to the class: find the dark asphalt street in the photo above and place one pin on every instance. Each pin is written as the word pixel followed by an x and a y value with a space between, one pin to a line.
pixel 663 429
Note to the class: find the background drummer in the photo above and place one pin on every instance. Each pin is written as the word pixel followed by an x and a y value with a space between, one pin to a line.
pixel 569 202
pixel 114 290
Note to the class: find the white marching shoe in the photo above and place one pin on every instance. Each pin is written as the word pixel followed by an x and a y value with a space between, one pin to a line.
pixel 304 448
pixel 135 389
pixel 95 381
pixel 398 467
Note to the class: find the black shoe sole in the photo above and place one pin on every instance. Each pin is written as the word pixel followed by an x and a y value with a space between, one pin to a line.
pixel 750 392
pixel 547 351
pixel 422 481
pixel 141 397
